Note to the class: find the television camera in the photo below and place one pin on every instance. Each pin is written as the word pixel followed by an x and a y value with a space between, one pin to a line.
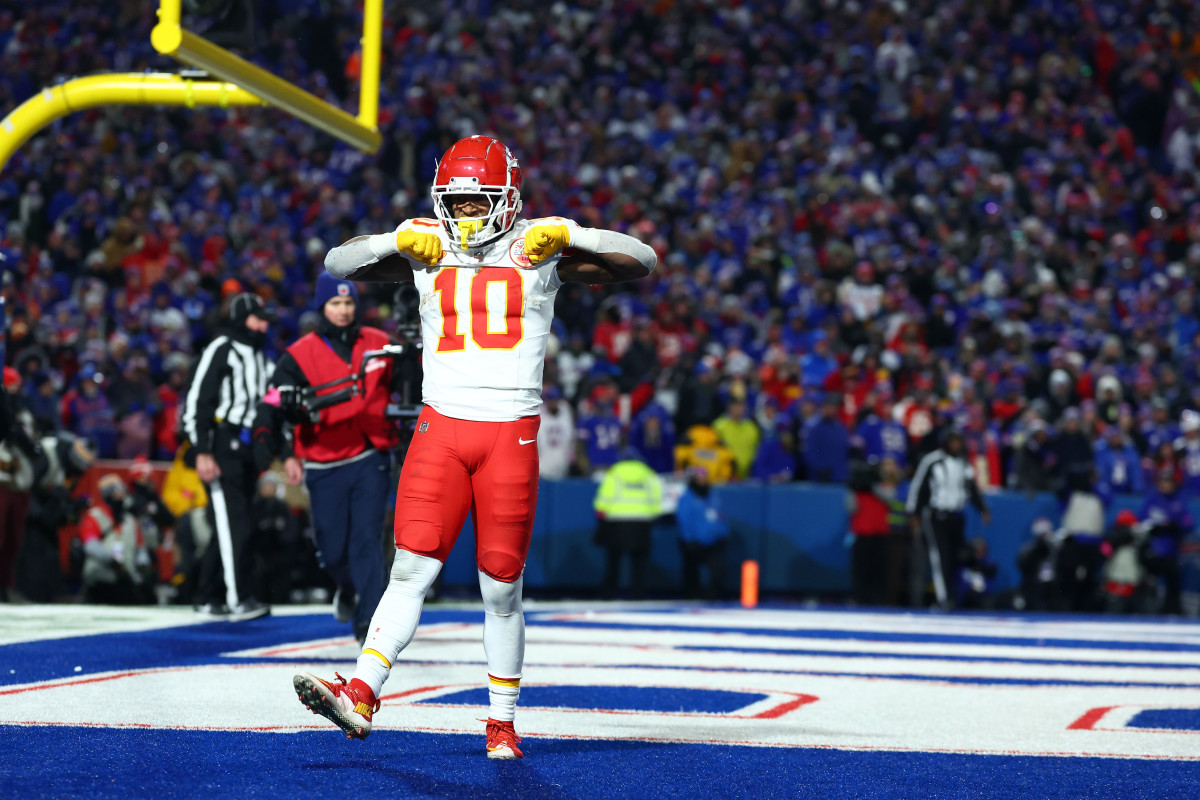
pixel 304 404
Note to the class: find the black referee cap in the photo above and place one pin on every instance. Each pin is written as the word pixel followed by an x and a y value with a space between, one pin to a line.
pixel 245 304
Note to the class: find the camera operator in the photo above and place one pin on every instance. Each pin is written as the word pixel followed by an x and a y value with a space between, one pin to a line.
pixel 218 414
pixel 337 403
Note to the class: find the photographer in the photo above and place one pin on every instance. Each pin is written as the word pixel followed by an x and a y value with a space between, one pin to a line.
pixel 60 461
pixel 229 378
pixel 337 403
pixel 117 569
pixel 17 453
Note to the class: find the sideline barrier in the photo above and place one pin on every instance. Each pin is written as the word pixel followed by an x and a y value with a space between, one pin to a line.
pixel 796 532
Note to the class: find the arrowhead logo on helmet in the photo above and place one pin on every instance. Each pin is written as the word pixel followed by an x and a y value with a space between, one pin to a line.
pixel 477 165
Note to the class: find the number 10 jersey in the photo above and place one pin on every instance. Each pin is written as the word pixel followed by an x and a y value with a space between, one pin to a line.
pixel 485 320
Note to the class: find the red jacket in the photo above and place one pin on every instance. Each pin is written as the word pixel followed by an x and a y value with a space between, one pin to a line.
pixel 871 516
pixel 346 429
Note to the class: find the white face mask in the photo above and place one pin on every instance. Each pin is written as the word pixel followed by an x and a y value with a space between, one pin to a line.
pixel 470 232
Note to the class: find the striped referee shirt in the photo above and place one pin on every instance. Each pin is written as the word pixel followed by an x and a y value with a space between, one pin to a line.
pixel 944 483
pixel 230 378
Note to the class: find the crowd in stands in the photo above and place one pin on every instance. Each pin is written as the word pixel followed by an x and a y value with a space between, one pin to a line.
pixel 874 218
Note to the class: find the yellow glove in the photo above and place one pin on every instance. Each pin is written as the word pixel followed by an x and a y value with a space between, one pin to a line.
pixel 545 241
pixel 424 247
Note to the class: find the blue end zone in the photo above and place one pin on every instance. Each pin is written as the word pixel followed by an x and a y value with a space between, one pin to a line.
pixel 106 763
pixel 26 662
pixel 622 698
pixel 1178 719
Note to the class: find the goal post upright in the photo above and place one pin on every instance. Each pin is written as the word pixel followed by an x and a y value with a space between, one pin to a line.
pixel 170 39
pixel 372 47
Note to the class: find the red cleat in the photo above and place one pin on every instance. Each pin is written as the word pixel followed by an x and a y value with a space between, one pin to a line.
pixel 348 706
pixel 502 740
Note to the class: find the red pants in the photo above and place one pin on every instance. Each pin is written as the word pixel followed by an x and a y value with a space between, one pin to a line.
pixel 488 468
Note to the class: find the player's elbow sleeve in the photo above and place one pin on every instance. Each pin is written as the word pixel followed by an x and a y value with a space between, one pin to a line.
pixel 343 261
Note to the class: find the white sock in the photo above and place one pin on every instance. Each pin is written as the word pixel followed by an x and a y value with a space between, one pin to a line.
pixel 503 643
pixel 503 695
pixel 396 616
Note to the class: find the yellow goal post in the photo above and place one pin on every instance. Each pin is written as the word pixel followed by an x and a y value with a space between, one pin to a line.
pixel 240 84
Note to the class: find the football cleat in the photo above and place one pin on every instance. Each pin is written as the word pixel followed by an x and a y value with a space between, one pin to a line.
pixel 346 706
pixel 502 740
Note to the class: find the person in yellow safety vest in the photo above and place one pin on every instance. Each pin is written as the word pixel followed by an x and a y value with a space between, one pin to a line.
pixel 184 495
pixel 704 449
pixel 741 435
pixel 627 503
pixel 182 490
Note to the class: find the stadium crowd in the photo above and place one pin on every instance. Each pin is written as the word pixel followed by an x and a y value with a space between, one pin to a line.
pixel 875 219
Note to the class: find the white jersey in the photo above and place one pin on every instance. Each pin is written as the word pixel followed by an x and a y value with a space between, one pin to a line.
pixel 484 328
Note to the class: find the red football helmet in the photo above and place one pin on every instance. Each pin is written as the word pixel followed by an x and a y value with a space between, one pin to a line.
pixel 478 165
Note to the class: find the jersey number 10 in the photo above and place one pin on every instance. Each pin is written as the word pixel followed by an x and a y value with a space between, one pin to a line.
pixel 446 285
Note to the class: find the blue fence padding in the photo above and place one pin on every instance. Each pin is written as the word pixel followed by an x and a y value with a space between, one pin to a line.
pixel 796 531
pixel 804 540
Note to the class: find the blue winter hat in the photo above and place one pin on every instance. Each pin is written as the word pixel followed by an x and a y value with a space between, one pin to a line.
pixel 329 287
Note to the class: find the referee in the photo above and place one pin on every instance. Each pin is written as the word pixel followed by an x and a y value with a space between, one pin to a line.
pixel 218 414
pixel 943 485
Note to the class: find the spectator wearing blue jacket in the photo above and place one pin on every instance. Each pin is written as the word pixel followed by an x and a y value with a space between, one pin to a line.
pixel 880 439
pixel 826 443
pixel 703 535
pixel 653 436
pixel 1160 427
pixel 599 437
pixel 1118 465
pixel 775 461
pixel 816 366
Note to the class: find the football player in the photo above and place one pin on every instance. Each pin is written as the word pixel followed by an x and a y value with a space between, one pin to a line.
pixel 487 281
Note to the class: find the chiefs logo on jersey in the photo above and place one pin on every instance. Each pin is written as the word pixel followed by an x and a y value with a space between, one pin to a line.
pixel 516 252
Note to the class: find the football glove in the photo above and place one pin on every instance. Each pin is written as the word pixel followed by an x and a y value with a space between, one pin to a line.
pixel 424 247
pixel 545 241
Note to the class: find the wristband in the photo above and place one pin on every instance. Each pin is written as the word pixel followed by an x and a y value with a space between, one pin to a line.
pixel 383 245
pixel 586 239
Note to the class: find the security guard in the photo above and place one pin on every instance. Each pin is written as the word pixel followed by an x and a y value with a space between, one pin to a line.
pixel 627 504
pixel 341 455
pixel 218 411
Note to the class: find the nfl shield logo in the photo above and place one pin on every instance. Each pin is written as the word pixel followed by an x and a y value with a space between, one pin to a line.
pixel 424 427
